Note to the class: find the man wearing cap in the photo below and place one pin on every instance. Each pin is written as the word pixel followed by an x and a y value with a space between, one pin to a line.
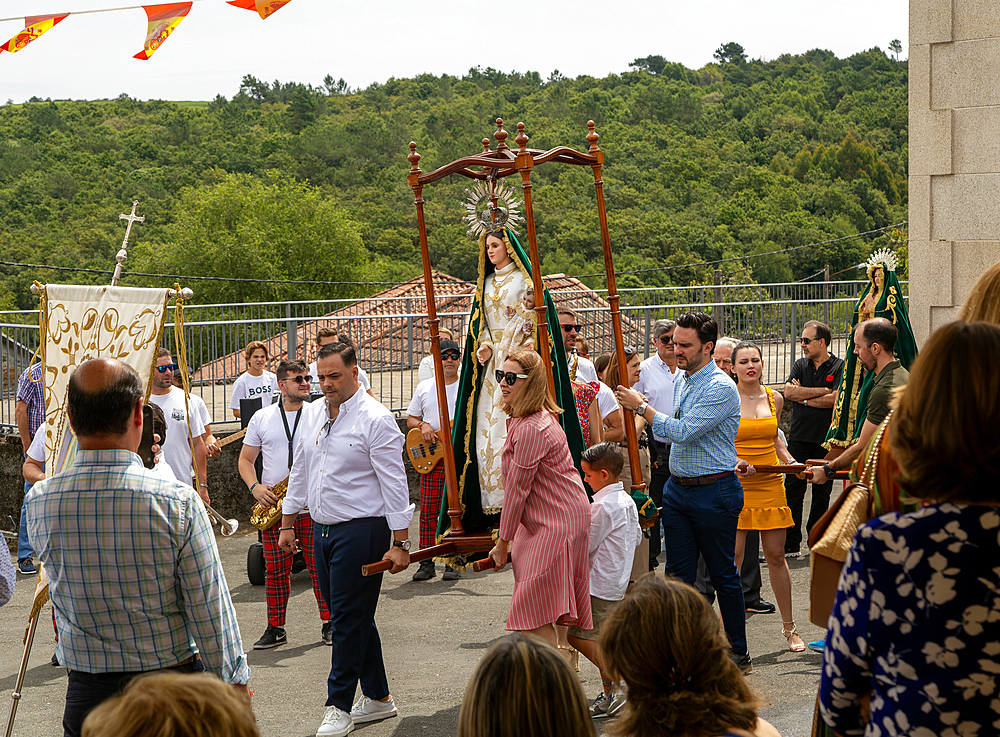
pixel 424 413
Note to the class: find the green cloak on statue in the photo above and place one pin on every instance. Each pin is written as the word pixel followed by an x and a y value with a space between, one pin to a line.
pixel 480 423
pixel 881 298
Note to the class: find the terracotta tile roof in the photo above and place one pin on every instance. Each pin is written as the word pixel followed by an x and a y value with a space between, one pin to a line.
pixel 386 339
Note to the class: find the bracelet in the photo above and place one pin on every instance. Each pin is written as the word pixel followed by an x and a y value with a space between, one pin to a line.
pixel 204 485
pixel 255 485
pixel 282 529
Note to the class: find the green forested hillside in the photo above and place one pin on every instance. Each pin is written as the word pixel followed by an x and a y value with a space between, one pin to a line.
pixel 285 181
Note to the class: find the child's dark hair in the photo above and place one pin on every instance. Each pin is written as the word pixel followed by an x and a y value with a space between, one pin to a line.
pixel 604 457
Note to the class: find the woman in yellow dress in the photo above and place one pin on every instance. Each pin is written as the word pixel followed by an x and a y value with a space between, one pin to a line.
pixel 764 504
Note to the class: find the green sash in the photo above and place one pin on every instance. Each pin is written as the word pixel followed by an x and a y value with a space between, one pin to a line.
pixel 856 383
pixel 469 386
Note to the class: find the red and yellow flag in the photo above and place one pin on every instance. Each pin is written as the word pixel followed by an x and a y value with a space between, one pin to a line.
pixel 163 19
pixel 34 27
pixel 263 7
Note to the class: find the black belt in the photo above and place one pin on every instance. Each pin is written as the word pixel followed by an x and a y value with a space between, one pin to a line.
pixel 700 480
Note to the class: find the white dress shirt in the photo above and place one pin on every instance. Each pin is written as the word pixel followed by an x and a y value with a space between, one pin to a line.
pixel 585 370
pixel 656 383
pixel 350 467
pixel 614 536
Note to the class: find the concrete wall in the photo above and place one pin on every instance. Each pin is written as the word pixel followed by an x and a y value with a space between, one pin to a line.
pixel 229 494
pixel 954 64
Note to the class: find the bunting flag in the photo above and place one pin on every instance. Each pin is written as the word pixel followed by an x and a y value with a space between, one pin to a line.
pixel 264 8
pixel 34 27
pixel 163 19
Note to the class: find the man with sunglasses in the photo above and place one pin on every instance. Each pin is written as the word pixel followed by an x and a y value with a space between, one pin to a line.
pixel 272 432
pixel 176 448
pixel 657 376
pixel 348 470
pixel 580 368
pixel 424 413
pixel 811 389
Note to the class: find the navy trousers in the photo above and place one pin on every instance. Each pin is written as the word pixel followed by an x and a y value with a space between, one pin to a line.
pixel 702 519
pixel 341 550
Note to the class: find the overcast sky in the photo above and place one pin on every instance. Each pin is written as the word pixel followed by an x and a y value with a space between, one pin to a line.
pixel 90 56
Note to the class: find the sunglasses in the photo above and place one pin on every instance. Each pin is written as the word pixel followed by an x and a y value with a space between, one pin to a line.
pixel 450 355
pixel 666 339
pixel 807 341
pixel 307 379
pixel 630 350
pixel 570 328
pixel 168 367
pixel 510 377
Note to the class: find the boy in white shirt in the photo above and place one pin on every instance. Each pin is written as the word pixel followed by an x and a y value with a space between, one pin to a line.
pixel 256 381
pixel 614 536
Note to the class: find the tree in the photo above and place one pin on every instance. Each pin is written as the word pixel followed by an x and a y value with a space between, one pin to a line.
pixel 895 47
pixel 730 53
pixel 260 229
pixel 652 64
pixel 335 88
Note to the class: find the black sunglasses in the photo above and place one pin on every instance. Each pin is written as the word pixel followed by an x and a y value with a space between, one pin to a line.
pixel 807 341
pixel 307 379
pixel 453 355
pixel 666 339
pixel 510 377
pixel 570 328
pixel 168 367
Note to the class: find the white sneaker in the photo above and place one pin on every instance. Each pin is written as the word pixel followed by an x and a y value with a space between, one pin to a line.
pixel 369 710
pixel 336 723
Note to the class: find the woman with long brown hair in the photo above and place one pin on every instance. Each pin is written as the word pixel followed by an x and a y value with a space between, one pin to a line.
pixel 545 522
pixel 666 643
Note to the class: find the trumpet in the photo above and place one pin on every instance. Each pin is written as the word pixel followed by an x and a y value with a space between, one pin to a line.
pixel 228 527
pixel 264 518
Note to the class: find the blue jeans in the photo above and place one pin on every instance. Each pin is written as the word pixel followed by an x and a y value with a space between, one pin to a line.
pixel 24 549
pixel 341 550
pixel 702 519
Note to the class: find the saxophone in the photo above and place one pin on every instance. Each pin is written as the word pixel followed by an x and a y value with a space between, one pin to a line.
pixel 264 518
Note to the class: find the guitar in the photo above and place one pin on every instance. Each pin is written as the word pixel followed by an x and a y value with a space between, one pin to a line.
pixel 424 457
pixel 230 439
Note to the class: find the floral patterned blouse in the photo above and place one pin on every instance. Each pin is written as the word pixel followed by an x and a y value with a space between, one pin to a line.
pixel 917 623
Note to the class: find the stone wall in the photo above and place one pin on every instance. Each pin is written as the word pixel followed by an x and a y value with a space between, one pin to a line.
pixel 954 186
pixel 229 494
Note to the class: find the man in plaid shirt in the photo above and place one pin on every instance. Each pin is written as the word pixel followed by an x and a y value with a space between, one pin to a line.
pixel 29 411
pixel 156 597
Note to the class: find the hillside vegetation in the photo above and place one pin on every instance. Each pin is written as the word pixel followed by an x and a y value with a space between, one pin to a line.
pixel 287 181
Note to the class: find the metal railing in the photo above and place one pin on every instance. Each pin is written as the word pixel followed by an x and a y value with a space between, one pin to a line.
pixel 391 334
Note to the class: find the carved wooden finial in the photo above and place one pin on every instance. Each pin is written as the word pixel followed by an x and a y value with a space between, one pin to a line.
pixel 486 145
pixel 592 137
pixel 500 135
pixel 522 138
pixel 414 158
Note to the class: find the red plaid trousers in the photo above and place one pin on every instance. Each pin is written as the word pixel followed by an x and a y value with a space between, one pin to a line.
pixel 277 580
pixel 431 488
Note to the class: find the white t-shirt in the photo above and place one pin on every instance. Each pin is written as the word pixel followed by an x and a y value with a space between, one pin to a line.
pixel 199 410
pixel 246 386
pixel 314 372
pixel 267 432
pixel 585 370
pixel 425 405
pixel 606 401
pixel 426 368
pixel 177 448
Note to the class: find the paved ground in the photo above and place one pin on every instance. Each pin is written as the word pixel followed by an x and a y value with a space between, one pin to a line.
pixel 433 635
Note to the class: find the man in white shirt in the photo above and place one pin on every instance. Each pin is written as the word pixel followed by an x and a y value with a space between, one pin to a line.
pixel 657 375
pixel 325 336
pixel 348 470
pixel 177 448
pixel 426 369
pixel 272 432
pixel 580 368
pixel 423 413
pixel 255 382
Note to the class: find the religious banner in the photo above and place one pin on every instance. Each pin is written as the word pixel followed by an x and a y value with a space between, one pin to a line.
pixel 163 19
pixel 83 322
pixel 34 27
pixel 264 8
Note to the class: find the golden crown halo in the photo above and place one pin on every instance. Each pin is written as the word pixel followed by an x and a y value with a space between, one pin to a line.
pixel 504 214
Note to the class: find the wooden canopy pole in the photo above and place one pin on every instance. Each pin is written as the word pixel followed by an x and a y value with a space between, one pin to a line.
pixel 613 299
pixel 450 473
pixel 524 162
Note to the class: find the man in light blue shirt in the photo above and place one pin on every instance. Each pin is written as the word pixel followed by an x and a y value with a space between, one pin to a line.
pixel 703 497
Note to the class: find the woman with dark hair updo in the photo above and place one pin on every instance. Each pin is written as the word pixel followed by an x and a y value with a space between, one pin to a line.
pixel 666 643
pixel 913 645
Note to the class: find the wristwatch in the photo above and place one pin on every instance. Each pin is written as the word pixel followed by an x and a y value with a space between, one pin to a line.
pixel 404 544
pixel 641 409
pixel 828 471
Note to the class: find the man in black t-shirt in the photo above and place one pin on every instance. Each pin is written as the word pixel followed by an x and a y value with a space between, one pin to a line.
pixel 811 389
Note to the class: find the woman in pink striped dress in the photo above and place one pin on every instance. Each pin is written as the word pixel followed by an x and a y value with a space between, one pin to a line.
pixel 545 522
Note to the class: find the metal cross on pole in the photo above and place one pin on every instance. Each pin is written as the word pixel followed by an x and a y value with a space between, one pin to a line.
pixel 122 255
